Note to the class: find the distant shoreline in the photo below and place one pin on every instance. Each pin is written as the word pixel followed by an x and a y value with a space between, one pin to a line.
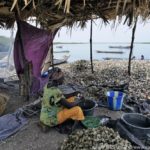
pixel 58 43
pixel 6 41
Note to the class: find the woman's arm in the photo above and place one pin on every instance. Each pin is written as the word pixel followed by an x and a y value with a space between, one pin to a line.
pixel 67 104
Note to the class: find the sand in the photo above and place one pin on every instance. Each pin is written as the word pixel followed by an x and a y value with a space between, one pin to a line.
pixel 31 137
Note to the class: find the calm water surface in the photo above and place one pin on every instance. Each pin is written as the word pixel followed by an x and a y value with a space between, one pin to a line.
pixel 82 51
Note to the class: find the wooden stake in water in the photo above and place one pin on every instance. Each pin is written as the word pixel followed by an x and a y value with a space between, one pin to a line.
pixel 91 53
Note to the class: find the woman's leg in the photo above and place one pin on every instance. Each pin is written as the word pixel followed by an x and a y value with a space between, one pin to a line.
pixel 74 113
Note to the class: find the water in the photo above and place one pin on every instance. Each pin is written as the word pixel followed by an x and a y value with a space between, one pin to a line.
pixel 3 54
pixel 82 51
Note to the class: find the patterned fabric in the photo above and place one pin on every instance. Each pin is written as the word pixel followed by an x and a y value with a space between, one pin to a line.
pixel 52 113
pixel 51 106
pixel 74 113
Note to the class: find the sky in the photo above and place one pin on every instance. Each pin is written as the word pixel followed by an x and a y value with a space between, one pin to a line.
pixel 101 33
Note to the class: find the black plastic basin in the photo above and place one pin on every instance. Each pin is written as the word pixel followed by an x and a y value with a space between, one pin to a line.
pixel 138 124
pixel 88 107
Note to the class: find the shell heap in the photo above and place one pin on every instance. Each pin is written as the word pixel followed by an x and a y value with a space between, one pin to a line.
pixel 110 74
pixel 101 138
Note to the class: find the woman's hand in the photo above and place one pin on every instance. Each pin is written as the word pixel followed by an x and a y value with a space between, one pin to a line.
pixel 77 101
pixel 67 104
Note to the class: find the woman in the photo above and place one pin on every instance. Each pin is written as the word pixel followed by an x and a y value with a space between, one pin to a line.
pixel 56 109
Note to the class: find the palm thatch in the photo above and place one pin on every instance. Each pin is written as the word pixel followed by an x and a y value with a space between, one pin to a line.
pixel 56 13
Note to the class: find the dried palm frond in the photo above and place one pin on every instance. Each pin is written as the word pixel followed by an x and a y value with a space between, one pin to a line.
pixel 67 6
pixel 26 5
pixel 59 3
pixel 33 2
pixel 54 13
pixel 14 4
pixel 25 2
pixel 124 5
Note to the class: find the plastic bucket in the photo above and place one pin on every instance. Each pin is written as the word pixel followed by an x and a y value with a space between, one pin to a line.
pixel 115 99
pixel 88 107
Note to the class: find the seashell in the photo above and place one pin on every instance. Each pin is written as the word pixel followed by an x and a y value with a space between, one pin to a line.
pixel 101 140
pixel 108 75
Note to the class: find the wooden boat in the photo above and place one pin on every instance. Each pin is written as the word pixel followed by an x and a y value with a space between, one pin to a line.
pixel 56 62
pixel 4 62
pixel 111 52
pixel 120 47
pixel 59 46
pixel 109 58
pixel 61 61
pixel 66 51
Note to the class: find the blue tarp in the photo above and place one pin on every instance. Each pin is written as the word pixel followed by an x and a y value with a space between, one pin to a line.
pixel 11 123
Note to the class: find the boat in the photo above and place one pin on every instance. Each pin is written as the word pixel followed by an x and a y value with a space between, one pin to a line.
pixel 56 62
pixel 120 47
pixel 111 52
pixel 62 60
pixel 4 62
pixel 59 46
pixel 66 51
pixel 110 58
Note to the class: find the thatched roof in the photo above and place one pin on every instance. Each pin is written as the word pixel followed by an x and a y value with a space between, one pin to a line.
pixel 56 13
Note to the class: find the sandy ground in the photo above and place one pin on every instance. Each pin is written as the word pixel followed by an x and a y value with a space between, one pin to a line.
pixel 31 137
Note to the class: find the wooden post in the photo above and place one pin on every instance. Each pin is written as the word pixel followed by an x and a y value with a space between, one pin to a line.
pixel 91 54
pixel 20 37
pixel 25 77
pixel 131 47
pixel 52 53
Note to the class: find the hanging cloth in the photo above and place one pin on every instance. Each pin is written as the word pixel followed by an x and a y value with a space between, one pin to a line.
pixel 36 43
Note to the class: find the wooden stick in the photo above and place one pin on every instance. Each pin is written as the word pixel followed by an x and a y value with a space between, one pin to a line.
pixel 26 74
pixel 20 37
pixel 131 47
pixel 91 54
pixel 52 53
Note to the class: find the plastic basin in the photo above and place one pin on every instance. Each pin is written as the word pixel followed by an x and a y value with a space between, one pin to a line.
pixel 137 124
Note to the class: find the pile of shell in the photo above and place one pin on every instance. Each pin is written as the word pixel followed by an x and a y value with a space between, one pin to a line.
pixel 139 87
pixel 101 138
pixel 109 75
pixel 80 65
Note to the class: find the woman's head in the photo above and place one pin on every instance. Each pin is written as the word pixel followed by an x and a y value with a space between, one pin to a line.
pixel 56 77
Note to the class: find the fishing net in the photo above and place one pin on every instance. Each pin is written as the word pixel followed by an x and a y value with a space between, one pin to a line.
pixel 7 68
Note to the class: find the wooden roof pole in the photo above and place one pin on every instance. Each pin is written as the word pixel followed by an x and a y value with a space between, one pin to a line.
pixel 91 52
pixel 131 47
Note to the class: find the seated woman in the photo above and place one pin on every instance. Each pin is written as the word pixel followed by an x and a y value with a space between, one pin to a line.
pixel 56 109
